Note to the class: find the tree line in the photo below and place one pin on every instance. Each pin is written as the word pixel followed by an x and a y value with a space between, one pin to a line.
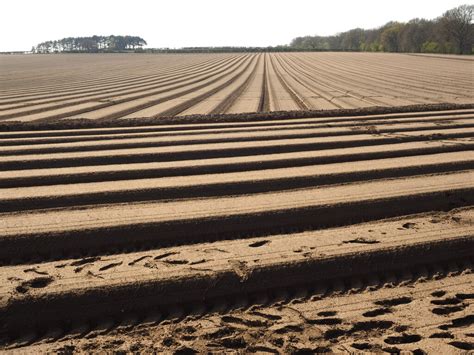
pixel 223 49
pixel 93 44
pixel 453 32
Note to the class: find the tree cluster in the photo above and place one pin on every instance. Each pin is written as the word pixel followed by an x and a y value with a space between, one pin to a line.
pixel 453 32
pixel 92 44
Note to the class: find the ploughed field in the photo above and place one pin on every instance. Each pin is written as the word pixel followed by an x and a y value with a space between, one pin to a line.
pixel 121 86
pixel 346 231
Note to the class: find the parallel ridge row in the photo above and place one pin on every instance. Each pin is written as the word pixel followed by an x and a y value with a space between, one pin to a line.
pixel 130 192
pixel 236 83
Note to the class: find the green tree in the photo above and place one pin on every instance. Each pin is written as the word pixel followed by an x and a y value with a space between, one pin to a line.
pixel 353 39
pixel 389 37
pixel 430 47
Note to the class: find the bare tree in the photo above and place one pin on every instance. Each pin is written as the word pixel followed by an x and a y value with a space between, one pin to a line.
pixel 457 24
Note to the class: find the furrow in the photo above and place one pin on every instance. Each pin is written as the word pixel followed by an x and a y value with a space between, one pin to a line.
pixel 219 150
pixel 208 273
pixel 356 125
pixel 131 169
pixel 226 184
pixel 173 111
pixel 81 127
pixel 227 102
pixel 117 100
pixel 50 232
pixel 239 136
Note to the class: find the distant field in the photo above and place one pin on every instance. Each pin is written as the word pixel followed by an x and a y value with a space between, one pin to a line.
pixel 116 86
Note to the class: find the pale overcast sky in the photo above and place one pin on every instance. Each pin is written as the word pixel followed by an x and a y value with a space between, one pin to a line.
pixel 184 23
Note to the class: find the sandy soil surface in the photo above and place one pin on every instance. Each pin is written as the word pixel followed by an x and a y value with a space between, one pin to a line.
pixel 40 87
pixel 338 231
pixel 425 316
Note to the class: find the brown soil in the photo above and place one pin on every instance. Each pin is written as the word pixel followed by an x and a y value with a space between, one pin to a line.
pixel 128 86
pixel 384 319
pixel 341 231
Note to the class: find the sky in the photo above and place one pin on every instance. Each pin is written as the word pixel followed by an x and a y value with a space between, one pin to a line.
pixel 193 23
